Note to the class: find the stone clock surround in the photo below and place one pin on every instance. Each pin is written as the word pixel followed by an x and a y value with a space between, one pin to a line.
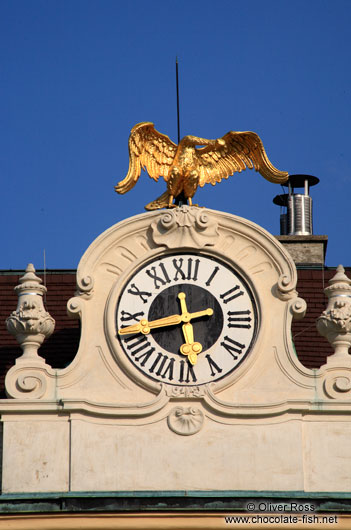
pixel 97 426
pixel 204 284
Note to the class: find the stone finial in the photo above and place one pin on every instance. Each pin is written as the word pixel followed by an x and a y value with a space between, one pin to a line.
pixel 30 323
pixel 335 321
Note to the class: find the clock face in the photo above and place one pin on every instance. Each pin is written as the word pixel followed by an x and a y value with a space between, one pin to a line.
pixel 186 319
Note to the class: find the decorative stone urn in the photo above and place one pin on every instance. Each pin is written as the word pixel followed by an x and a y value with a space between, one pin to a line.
pixel 30 323
pixel 335 321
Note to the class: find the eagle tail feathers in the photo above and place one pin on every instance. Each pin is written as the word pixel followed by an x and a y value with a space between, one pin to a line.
pixel 160 202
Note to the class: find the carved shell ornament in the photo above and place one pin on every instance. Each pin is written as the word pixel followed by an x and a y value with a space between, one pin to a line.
pixel 185 420
pixel 189 227
pixel 184 167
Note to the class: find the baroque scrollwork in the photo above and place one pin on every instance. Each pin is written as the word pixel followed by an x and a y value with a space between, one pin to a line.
pixel 185 227
pixel 26 383
pixel 85 286
pixel 298 308
pixel 74 307
pixel 185 420
pixel 337 385
pixel 285 287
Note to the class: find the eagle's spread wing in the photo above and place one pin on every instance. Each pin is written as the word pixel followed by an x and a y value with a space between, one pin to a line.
pixel 235 152
pixel 148 150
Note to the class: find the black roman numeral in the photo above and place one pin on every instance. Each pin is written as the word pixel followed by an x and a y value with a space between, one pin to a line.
pixel 232 347
pixel 144 356
pixel 185 366
pixel 192 269
pixel 192 274
pixel 158 280
pixel 125 316
pixel 226 296
pixel 137 344
pixel 136 291
pixel 165 366
pixel 213 366
pixel 213 274
pixel 235 319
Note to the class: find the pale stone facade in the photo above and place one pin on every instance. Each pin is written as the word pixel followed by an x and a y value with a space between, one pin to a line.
pixel 102 425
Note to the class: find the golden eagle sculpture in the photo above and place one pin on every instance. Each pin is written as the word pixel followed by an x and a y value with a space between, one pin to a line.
pixel 185 166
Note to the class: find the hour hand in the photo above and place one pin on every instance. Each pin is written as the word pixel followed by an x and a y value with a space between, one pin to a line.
pixel 190 348
pixel 188 333
pixel 144 326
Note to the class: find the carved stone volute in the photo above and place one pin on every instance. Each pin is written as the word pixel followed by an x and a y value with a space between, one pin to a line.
pixel 185 227
pixel 335 321
pixel 30 323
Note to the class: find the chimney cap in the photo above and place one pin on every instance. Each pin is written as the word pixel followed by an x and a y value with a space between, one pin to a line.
pixel 281 200
pixel 298 181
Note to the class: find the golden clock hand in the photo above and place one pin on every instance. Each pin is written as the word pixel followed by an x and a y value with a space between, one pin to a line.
pixel 186 316
pixel 188 332
pixel 183 307
pixel 135 328
pixel 198 314
pixel 144 326
pixel 190 348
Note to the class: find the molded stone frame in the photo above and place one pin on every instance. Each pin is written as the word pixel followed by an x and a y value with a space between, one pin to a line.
pixel 113 258
pixel 126 432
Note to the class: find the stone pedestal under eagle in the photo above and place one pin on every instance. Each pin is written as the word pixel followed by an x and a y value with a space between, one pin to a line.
pixel 186 166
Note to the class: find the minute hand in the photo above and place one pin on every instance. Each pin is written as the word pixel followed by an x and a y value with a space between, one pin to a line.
pixel 198 314
pixel 144 326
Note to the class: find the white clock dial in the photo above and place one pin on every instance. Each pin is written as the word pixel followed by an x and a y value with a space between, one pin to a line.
pixel 186 319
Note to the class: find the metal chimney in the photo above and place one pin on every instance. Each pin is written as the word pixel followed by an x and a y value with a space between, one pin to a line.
pixel 296 216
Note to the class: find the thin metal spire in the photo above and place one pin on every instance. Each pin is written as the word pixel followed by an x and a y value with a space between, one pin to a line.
pixel 177 83
pixel 180 199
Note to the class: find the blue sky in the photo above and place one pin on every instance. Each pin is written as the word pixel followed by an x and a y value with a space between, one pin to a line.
pixel 77 75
